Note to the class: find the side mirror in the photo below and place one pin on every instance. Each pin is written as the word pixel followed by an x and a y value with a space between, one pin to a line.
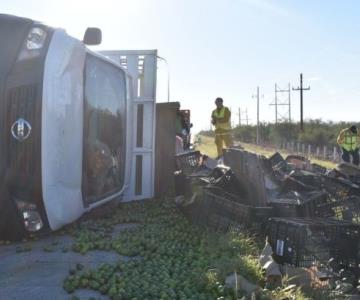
pixel 92 36
pixel 191 125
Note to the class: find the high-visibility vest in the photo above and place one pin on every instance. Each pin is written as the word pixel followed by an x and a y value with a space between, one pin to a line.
pixel 219 115
pixel 351 141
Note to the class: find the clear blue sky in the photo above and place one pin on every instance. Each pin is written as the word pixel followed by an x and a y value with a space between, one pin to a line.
pixel 226 48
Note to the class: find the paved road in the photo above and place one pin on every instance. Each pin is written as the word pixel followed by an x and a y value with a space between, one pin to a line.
pixel 39 275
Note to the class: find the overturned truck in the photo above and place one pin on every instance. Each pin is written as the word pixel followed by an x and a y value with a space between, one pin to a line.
pixel 78 127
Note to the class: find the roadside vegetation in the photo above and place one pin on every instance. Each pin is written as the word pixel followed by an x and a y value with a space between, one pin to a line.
pixel 316 132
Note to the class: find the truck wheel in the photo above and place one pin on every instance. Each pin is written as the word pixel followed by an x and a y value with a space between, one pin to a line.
pixel 11 223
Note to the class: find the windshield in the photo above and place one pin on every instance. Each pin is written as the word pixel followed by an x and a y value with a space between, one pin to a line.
pixel 104 128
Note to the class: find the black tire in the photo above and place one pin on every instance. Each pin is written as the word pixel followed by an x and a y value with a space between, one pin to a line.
pixel 11 222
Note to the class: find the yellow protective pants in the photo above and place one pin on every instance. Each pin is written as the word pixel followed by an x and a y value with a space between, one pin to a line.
pixel 220 140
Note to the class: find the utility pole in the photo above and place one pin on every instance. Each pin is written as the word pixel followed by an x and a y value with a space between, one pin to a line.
pixel 301 89
pixel 232 119
pixel 281 115
pixel 231 122
pixel 239 114
pixel 257 114
pixel 289 102
pixel 276 105
pixel 257 118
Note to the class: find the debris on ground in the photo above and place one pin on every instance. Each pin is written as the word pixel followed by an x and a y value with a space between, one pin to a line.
pixel 319 210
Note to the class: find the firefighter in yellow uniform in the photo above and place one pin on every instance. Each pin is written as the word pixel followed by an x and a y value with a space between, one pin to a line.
pixel 349 141
pixel 220 118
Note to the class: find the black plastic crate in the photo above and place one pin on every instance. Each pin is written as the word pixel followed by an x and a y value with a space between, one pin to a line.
pixel 225 179
pixel 278 162
pixel 355 179
pixel 221 205
pixel 284 207
pixel 347 208
pixel 276 158
pixel 318 169
pixel 297 204
pixel 188 162
pixel 339 188
pixel 308 242
pixel 223 210
pixel 192 211
pixel 215 175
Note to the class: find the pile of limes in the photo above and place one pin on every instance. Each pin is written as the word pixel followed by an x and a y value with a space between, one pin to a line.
pixel 167 258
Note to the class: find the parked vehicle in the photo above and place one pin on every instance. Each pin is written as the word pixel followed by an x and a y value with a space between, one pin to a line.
pixel 69 134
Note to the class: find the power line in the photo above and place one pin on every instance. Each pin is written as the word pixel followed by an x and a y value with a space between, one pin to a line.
pixel 280 114
pixel 241 119
pixel 247 116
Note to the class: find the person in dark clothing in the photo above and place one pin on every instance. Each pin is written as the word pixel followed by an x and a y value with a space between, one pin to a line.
pixel 182 129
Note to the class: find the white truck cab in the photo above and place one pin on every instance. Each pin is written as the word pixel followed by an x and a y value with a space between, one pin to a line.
pixel 72 133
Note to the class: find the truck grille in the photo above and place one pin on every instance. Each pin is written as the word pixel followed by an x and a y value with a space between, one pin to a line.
pixel 22 156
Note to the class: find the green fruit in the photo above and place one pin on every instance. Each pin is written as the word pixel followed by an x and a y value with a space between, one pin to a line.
pixel 103 289
pixel 84 283
pixel 76 283
pixel 48 248
pixel 94 285
pixel 112 291
pixel 87 274
pixel 69 289
pixel 27 248
pixel 72 271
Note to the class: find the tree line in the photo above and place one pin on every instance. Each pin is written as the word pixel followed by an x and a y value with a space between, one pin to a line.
pixel 316 132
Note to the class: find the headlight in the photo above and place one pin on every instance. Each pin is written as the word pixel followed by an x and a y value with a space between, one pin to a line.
pixel 32 221
pixel 31 217
pixel 33 44
pixel 36 38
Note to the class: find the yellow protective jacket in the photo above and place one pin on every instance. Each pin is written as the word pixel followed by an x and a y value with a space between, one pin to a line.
pixel 348 140
pixel 222 119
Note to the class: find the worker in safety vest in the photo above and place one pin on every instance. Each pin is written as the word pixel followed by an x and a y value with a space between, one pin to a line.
pixel 349 141
pixel 220 118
